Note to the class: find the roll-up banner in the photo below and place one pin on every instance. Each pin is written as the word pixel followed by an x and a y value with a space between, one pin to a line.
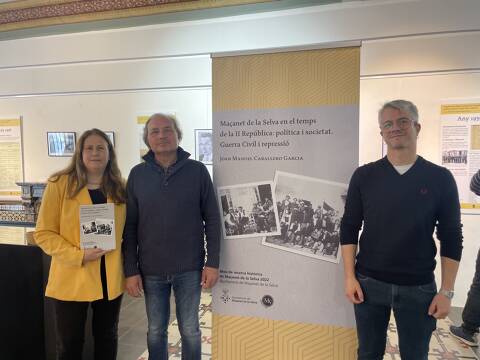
pixel 285 127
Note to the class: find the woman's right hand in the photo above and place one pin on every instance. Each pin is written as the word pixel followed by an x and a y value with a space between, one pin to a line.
pixel 93 254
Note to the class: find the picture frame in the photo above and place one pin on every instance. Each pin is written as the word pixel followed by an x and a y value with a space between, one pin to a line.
pixel 203 146
pixel 61 144
pixel 111 136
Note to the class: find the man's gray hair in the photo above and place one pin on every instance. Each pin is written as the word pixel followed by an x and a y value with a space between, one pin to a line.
pixel 401 105
pixel 172 118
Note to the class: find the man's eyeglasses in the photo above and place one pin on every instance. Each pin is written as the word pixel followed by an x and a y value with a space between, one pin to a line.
pixel 402 123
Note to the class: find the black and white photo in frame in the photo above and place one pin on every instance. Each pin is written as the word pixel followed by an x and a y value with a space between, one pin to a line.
pixel 61 143
pixel 310 211
pixel 203 146
pixel 111 136
pixel 248 210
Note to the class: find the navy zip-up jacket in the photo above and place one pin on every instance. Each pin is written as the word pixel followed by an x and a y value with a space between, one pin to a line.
pixel 168 214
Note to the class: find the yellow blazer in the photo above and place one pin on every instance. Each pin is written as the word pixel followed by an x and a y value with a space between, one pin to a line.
pixel 58 234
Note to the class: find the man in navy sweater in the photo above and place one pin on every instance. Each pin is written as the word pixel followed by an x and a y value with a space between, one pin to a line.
pixel 171 206
pixel 467 332
pixel 400 199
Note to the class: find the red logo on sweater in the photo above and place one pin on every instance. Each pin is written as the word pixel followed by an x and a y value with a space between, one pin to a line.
pixel 424 191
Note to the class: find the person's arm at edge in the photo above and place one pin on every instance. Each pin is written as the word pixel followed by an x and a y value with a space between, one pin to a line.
pixel 133 280
pixel 211 218
pixel 475 183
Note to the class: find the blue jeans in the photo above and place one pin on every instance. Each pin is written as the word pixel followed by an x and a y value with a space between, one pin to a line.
pixel 187 289
pixel 471 311
pixel 410 308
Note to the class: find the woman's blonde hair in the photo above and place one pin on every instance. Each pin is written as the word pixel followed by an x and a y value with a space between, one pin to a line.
pixel 112 182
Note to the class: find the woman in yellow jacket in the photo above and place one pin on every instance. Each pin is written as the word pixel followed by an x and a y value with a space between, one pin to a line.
pixel 78 277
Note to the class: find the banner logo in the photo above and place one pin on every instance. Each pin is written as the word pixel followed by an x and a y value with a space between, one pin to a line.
pixel 225 296
pixel 267 301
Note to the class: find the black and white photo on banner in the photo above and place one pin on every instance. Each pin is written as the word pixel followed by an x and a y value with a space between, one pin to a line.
pixel 248 210
pixel 310 210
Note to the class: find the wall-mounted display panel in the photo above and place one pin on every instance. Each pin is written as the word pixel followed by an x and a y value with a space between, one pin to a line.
pixel 11 157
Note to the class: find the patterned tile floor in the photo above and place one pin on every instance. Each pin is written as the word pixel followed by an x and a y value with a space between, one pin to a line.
pixel 442 345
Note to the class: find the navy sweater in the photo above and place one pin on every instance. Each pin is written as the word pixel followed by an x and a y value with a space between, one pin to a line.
pixel 399 214
pixel 168 214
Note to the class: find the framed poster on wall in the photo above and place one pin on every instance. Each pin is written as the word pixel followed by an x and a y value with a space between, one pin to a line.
pixel 11 157
pixel 460 146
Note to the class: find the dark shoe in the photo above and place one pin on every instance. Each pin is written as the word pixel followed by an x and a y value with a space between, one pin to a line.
pixel 463 335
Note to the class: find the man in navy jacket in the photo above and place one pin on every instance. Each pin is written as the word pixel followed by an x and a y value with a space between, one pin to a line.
pixel 171 208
